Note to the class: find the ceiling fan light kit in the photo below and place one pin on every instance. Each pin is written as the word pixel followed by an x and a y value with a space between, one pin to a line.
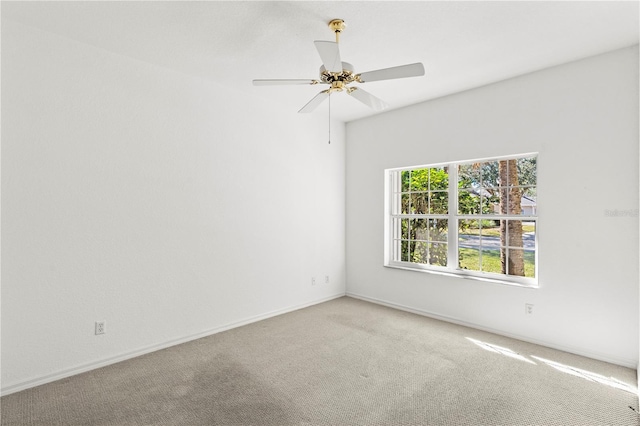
pixel 339 75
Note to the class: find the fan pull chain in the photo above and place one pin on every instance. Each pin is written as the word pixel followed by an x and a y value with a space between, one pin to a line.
pixel 329 118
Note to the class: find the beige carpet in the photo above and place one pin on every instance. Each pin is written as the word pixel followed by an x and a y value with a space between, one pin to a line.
pixel 344 362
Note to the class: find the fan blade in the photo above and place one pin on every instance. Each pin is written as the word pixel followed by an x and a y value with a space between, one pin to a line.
pixel 403 71
pixel 330 55
pixel 317 100
pixel 368 99
pixel 282 81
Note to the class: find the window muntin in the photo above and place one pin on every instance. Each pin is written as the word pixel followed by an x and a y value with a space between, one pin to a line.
pixel 472 218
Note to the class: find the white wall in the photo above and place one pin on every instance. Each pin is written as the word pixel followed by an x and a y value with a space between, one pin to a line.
pixel 166 205
pixel 582 118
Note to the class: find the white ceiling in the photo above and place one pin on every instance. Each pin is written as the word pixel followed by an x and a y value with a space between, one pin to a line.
pixel 462 44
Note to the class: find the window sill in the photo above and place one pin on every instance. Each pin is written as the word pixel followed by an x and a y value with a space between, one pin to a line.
pixel 533 284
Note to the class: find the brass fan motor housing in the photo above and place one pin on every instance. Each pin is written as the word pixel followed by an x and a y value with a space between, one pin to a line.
pixel 344 77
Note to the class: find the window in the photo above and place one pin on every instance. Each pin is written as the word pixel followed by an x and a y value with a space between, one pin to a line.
pixel 471 218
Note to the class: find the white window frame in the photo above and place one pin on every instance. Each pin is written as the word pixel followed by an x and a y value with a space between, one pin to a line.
pixel 392 188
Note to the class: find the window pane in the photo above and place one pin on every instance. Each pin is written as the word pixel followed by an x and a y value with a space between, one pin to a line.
pixel 529 236
pixel 405 207
pixel 515 200
pixel 438 254
pixel 528 202
pixel 404 229
pixel 529 263
pixel 468 245
pixel 438 229
pixel 419 203
pixel 419 253
pixel 489 173
pixel 527 171
pixel 465 228
pixel 521 263
pixel 489 234
pixel 404 180
pixel 514 233
pixel 419 180
pixel 490 201
pixel 439 202
pixel 469 258
pixel 469 176
pixel 419 229
pixel 438 179
pixel 405 251
pixel 468 202
pixel 502 201
pixel 491 261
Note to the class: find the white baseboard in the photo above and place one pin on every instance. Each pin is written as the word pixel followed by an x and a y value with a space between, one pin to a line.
pixel 142 351
pixel 578 351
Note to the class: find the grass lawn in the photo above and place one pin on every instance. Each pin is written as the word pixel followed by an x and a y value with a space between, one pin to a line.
pixel 491 261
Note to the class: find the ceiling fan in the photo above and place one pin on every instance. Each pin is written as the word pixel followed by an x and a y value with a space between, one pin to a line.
pixel 339 75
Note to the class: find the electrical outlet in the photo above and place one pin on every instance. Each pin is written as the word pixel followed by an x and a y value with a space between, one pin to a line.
pixel 326 279
pixel 313 280
pixel 101 327
pixel 528 308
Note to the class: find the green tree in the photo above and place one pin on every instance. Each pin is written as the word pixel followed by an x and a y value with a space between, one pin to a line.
pixel 425 191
